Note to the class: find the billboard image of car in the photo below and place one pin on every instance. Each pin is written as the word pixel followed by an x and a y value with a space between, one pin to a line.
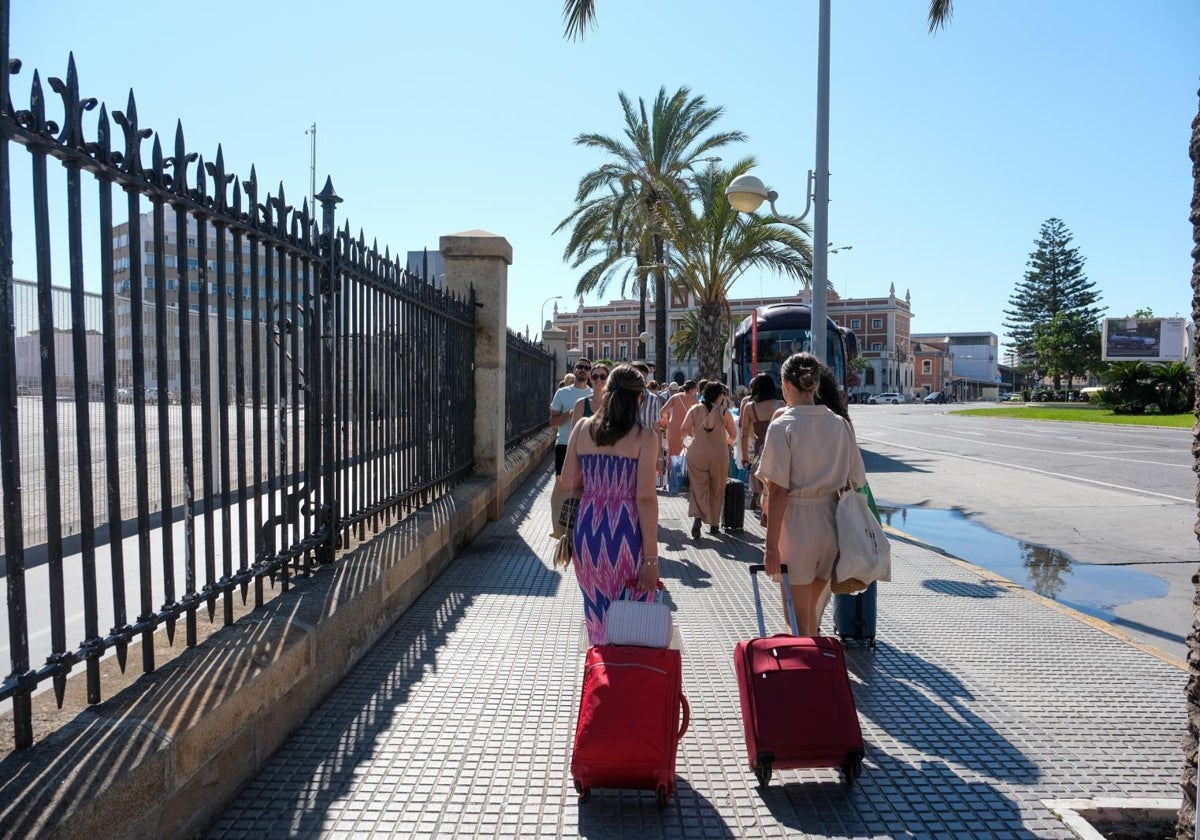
pixel 1144 340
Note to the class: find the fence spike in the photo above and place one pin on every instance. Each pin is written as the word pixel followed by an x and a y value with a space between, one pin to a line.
pixel 73 107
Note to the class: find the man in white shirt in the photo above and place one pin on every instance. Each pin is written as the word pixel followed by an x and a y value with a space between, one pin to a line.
pixel 561 406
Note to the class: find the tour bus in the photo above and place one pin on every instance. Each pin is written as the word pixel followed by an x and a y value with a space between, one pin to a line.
pixel 782 329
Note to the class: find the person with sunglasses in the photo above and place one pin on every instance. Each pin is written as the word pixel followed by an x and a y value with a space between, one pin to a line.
pixel 561 406
pixel 586 406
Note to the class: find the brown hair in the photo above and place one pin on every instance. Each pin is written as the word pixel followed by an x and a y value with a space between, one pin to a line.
pixel 802 370
pixel 618 410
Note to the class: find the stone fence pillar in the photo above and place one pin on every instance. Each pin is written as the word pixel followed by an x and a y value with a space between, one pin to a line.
pixel 554 340
pixel 481 259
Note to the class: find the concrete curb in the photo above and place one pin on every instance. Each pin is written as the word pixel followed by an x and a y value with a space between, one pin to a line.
pixel 161 757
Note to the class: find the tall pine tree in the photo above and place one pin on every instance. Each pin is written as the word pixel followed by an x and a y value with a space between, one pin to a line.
pixel 1054 285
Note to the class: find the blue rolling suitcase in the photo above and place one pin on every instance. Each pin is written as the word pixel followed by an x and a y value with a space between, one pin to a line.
pixel 854 615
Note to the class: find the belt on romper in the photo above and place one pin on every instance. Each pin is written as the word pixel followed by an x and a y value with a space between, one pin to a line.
pixel 808 501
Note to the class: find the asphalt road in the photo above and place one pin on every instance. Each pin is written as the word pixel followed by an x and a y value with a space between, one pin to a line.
pixel 1102 494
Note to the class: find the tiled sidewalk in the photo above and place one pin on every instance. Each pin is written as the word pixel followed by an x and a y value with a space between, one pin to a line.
pixel 978 703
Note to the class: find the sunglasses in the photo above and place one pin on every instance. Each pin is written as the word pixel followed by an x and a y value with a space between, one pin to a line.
pixel 584 368
pixel 598 375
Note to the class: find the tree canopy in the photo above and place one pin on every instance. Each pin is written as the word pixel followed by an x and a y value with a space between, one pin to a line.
pixel 1055 296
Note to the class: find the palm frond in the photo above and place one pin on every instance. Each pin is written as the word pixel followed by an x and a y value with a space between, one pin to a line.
pixel 578 15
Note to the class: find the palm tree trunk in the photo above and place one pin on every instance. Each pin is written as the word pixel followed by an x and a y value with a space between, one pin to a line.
pixel 1185 827
pixel 660 309
pixel 641 328
pixel 710 339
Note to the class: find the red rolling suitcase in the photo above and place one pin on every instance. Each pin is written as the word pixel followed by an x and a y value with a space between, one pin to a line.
pixel 632 713
pixel 797 707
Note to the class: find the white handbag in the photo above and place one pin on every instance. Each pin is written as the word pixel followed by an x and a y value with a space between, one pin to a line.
pixel 864 552
pixel 645 623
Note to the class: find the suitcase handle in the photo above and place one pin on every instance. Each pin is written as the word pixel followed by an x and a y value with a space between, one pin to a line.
pixel 631 585
pixel 687 715
pixel 787 592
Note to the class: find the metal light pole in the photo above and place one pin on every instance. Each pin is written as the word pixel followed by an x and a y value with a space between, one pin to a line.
pixel 820 284
pixel 746 192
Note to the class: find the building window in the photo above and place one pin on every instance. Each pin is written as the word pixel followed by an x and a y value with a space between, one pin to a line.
pixel 926 366
pixel 876 346
pixel 607 328
pixel 590 329
pixel 876 323
pixel 191 242
pixel 623 329
pixel 605 351
pixel 589 350
pixel 856 323
pixel 623 350
pixel 869 378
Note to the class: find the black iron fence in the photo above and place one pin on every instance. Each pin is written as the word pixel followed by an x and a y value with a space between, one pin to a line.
pixel 248 387
pixel 528 389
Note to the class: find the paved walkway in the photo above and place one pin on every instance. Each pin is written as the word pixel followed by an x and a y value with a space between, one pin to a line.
pixel 979 702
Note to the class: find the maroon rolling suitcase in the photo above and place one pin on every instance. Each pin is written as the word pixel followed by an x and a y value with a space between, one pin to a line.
pixel 797 707
pixel 632 713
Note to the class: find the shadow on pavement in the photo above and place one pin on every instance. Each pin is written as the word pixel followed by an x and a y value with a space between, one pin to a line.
pixel 919 703
pixel 963 589
pixel 624 813
pixel 966 809
pixel 876 463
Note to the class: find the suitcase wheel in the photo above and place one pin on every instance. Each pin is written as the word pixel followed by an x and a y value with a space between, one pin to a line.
pixel 584 793
pixel 851 770
pixel 660 796
pixel 763 771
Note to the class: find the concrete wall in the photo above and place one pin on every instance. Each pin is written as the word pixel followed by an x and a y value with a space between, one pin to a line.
pixel 163 756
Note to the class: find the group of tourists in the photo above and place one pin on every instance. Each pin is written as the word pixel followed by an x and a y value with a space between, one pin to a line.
pixel 796 442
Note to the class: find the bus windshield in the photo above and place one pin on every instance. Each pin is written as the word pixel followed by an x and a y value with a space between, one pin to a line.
pixel 777 341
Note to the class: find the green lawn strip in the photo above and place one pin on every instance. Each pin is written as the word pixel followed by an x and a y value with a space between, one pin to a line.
pixel 1083 414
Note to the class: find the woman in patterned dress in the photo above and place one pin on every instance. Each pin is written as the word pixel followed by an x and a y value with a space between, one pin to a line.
pixel 615 537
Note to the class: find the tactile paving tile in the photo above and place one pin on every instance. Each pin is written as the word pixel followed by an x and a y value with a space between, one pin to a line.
pixel 977 703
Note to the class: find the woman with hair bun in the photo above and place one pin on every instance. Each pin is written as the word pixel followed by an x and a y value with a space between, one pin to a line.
pixel 809 454
pixel 615 537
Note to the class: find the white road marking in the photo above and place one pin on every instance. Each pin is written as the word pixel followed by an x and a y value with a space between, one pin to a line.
pixel 1042 472
pixel 1188 467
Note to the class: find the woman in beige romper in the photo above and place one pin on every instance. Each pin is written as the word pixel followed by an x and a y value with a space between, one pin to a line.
pixel 713 431
pixel 809 454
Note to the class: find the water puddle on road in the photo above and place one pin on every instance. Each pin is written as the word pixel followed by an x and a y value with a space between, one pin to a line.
pixel 1091 588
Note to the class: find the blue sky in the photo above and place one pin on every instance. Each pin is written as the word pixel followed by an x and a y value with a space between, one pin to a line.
pixel 947 151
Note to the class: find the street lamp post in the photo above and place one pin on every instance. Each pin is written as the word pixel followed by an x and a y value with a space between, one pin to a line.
pixel 542 316
pixel 747 192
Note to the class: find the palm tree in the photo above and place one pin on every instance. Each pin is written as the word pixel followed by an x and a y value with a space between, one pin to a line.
pixel 714 245
pixel 685 338
pixel 658 150
pixel 1171 380
pixel 610 231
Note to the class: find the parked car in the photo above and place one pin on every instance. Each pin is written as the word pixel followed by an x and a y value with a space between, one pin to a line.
pixel 937 397
pixel 125 395
pixel 890 397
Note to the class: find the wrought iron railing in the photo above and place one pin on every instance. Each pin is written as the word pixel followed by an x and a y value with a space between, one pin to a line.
pixel 528 389
pixel 248 384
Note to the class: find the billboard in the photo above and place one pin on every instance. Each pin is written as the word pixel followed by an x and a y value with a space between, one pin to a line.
pixel 1144 340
